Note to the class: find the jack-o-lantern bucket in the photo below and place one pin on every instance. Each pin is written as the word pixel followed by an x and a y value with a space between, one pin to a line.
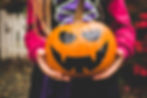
pixel 80 48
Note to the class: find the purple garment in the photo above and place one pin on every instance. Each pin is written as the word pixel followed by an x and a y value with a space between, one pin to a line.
pixel 51 88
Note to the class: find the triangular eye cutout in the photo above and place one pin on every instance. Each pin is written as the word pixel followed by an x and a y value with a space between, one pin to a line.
pixel 67 37
pixel 92 35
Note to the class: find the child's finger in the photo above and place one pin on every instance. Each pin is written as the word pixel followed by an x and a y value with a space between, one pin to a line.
pixel 59 77
pixel 63 78
pixel 100 77
pixel 66 79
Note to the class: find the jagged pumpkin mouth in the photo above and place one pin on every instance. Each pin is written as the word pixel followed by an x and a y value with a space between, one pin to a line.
pixel 82 62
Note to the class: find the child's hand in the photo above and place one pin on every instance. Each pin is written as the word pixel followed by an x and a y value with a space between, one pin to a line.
pixel 112 70
pixel 47 70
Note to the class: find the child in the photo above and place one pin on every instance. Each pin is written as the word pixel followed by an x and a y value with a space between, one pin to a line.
pixel 47 83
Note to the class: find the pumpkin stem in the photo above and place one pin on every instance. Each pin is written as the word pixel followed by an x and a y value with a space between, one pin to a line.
pixel 79 10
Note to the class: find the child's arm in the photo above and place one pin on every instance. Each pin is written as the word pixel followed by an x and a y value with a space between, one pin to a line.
pixel 125 36
pixel 32 39
pixel 124 31
pixel 35 45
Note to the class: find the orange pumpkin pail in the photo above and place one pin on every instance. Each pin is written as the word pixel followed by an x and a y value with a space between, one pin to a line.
pixel 81 49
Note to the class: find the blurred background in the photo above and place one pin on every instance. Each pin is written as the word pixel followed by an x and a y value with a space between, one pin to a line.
pixel 15 68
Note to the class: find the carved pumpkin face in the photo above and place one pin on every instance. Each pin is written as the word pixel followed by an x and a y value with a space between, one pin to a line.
pixel 81 49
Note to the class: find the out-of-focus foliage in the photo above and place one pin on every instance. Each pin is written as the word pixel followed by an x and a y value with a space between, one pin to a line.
pixel 136 6
pixel 136 68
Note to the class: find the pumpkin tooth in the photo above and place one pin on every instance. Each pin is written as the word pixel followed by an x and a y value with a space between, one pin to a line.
pixel 101 49
pixel 86 71
pixel 72 71
pixel 63 58
pixel 93 56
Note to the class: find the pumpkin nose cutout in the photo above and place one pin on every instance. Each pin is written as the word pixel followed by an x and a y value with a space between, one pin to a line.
pixel 92 35
pixel 66 37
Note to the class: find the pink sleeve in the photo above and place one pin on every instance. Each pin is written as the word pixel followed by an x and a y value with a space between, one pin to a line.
pixel 125 33
pixel 30 13
pixel 33 43
pixel 32 40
